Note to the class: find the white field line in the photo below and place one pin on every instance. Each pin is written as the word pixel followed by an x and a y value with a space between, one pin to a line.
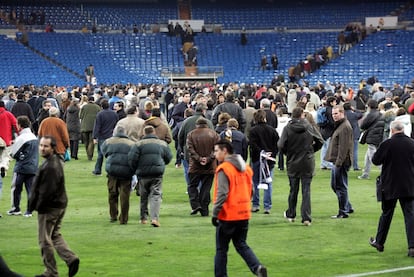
pixel 379 272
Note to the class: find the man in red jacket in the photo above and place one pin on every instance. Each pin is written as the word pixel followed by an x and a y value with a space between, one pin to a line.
pixel 8 126
pixel 232 209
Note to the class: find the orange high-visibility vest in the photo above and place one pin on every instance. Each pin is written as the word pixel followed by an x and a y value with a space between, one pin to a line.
pixel 238 203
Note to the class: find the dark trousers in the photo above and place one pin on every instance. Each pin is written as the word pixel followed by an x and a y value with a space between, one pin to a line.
pixel 51 239
pixel 74 146
pixel 121 189
pixel 293 198
pixel 339 184
pixel 200 199
pixel 87 139
pixel 27 179
pixel 235 231
pixel 388 207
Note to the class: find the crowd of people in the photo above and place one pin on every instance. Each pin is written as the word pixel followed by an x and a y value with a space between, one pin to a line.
pixel 133 125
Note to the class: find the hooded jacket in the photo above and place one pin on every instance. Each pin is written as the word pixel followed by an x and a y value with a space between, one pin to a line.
pixel 299 142
pixel 162 130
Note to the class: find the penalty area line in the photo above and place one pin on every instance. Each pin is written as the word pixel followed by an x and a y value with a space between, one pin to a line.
pixel 379 272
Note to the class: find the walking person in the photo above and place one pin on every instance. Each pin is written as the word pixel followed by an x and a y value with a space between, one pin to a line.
pixel 87 116
pixel 48 197
pixel 105 123
pixel 74 127
pixel 299 142
pixel 25 151
pixel 231 211
pixel 200 143
pixel 116 150
pixel 340 153
pixel 353 117
pixel 373 123
pixel 148 158
pixel 262 137
pixel 396 155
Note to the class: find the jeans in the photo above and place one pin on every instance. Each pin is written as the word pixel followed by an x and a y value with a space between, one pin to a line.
pixel 267 199
pixel 324 149
pixel 339 184
pixel 293 198
pixel 99 160
pixel 150 189
pixel 388 206
pixel 27 179
pixel 355 161
pixel 185 164
pixel 237 232
pixel 368 158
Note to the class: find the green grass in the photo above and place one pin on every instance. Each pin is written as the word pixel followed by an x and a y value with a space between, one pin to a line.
pixel 184 245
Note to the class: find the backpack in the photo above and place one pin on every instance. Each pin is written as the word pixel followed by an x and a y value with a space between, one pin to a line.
pixel 321 118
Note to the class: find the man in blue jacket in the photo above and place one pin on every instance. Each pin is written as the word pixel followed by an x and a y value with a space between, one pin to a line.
pixel 115 150
pixel 148 158
pixel 104 125
pixel 25 152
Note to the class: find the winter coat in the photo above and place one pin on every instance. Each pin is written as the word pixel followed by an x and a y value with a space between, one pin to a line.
pixel 187 126
pixel 73 122
pixel 396 155
pixel 88 116
pixel 116 150
pixel 162 130
pixel 263 137
pixel 48 189
pixel 149 156
pixel 25 151
pixel 22 108
pixel 341 148
pixel 231 108
pixel 200 143
pixel 373 121
pixel 299 142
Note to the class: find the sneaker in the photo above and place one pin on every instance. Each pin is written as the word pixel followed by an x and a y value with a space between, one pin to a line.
pixel 96 173
pixel 14 211
pixel 363 176
pixel 290 219
pixel 307 223
pixel 155 223
pixel 410 252
pixel 2 172
pixel 373 243
pixel 266 211
pixel 255 209
pixel 27 214
pixel 339 216
pixel 261 271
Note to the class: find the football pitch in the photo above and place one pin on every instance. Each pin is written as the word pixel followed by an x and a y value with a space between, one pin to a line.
pixel 184 245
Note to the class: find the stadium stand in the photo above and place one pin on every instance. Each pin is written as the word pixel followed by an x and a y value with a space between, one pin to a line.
pixel 122 58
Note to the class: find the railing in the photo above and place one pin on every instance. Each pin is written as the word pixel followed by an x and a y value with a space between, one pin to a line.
pixel 187 73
